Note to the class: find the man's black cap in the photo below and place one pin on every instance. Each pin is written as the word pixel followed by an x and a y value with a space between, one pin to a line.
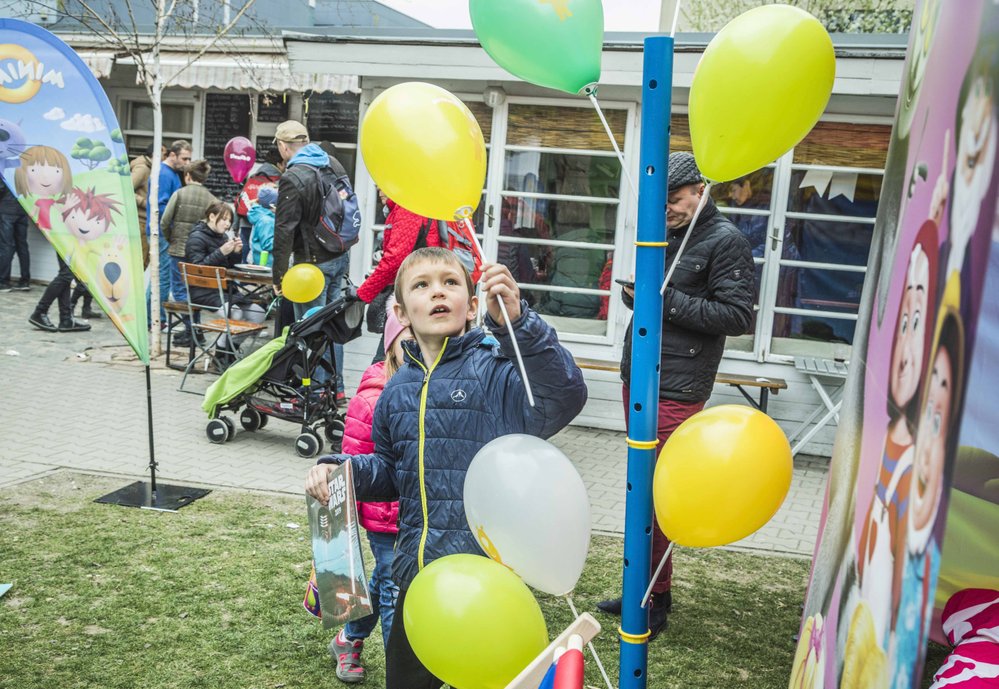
pixel 683 170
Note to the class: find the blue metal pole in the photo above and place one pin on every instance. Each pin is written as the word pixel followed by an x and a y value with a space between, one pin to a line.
pixel 643 404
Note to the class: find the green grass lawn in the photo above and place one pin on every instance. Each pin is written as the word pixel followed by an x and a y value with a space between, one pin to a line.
pixel 211 597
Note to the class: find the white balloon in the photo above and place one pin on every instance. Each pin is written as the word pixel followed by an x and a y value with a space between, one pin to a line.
pixel 527 506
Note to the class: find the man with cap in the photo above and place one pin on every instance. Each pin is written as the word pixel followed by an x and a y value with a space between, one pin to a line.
pixel 710 296
pixel 299 206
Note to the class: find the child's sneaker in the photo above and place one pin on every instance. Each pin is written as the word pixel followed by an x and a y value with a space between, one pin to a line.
pixel 347 656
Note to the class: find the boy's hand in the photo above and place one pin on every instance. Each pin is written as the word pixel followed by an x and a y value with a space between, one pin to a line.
pixel 317 483
pixel 498 282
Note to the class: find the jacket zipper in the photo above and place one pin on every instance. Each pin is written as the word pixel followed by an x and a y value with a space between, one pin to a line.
pixel 422 441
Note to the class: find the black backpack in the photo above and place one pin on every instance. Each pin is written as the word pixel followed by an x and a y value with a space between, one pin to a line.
pixel 339 225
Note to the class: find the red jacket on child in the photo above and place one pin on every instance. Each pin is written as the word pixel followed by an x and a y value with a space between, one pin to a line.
pixel 374 516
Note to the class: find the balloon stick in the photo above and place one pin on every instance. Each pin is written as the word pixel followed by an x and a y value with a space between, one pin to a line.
pixel 686 236
pixel 589 644
pixel 662 563
pixel 676 15
pixel 506 318
pixel 620 156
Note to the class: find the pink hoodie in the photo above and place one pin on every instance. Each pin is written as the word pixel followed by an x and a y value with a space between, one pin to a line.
pixel 374 516
pixel 971 622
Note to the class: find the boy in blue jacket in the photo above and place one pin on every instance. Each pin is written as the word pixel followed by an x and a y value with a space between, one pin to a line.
pixel 261 217
pixel 455 393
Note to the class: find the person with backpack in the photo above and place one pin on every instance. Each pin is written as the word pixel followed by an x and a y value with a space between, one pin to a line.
pixel 317 220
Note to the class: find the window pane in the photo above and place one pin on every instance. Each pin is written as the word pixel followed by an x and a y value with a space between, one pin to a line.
pixel 483 115
pixel 141 116
pixel 556 173
pixel 824 241
pixel 834 193
pixel 844 144
pixel 177 118
pixel 137 144
pixel 815 289
pixel 552 126
pixel 749 191
pixel 561 266
pixel 570 221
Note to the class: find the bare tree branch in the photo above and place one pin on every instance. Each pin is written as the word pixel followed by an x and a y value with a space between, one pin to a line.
pixel 209 44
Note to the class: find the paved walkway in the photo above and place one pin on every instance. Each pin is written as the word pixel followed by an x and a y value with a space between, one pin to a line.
pixel 75 401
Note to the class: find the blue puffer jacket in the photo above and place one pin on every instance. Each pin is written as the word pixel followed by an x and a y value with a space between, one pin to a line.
pixel 431 420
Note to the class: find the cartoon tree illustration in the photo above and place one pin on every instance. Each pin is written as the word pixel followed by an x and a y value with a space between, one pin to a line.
pixel 120 166
pixel 116 136
pixel 89 152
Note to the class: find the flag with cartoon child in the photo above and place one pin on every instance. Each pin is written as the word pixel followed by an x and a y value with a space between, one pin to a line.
pixel 63 156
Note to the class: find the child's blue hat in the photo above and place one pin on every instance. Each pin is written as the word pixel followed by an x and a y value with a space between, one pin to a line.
pixel 267 197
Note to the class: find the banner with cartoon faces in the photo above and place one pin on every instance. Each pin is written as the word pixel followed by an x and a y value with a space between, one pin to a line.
pixel 917 416
pixel 63 155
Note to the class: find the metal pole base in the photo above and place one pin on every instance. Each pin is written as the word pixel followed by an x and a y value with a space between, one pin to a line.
pixel 166 498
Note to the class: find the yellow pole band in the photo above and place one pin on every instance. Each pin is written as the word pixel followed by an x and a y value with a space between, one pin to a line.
pixel 634 638
pixel 651 243
pixel 642 444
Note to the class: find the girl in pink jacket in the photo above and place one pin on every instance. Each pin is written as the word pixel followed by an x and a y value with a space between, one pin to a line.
pixel 380 519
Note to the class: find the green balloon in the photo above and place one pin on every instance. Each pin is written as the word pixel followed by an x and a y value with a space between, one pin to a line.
pixel 553 43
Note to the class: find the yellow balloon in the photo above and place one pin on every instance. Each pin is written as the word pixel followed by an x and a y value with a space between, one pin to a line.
pixel 302 283
pixel 472 622
pixel 721 476
pixel 759 88
pixel 425 149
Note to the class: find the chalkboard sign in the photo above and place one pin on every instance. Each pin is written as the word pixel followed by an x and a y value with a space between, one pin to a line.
pixel 226 115
pixel 272 108
pixel 263 145
pixel 333 116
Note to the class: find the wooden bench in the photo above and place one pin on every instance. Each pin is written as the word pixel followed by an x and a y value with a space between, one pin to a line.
pixel 766 385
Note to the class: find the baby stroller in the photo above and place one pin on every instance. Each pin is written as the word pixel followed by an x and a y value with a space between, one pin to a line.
pixel 276 380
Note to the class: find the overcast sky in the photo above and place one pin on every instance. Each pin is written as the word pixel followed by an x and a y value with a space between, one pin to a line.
pixel 633 15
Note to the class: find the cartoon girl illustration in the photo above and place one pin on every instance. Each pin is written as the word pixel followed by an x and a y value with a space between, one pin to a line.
pixel 881 546
pixel 45 175
pixel 936 442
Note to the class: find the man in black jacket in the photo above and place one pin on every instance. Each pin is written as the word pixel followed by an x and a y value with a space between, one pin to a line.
pixel 299 206
pixel 710 296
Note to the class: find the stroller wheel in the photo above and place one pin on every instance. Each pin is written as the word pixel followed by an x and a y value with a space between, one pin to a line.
pixel 229 426
pixel 308 444
pixel 333 430
pixel 251 419
pixel 217 430
pixel 263 421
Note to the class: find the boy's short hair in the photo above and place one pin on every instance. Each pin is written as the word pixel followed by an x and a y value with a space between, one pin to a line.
pixel 198 170
pixel 430 254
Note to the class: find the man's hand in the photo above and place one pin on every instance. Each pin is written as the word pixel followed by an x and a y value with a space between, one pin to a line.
pixel 277 290
pixel 498 282
pixel 317 483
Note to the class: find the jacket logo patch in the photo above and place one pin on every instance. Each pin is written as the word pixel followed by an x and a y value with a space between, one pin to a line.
pixel 458 395
pixel 737 272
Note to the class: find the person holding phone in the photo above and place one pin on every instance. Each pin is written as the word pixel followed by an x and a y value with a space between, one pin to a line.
pixel 709 297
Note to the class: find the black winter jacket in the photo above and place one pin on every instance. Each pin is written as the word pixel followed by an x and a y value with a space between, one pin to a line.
pixel 204 247
pixel 710 295
pixel 429 424
pixel 299 205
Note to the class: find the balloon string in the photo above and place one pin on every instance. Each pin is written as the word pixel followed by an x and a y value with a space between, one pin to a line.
pixel 690 230
pixel 506 317
pixel 659 569
pixel 676 15
pixel 572 606
pixel 620 156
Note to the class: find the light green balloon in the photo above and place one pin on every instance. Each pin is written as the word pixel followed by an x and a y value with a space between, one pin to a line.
pixel 553 43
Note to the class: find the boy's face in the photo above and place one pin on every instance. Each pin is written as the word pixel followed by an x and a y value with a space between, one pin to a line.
pixel 82 226
pixel 436 300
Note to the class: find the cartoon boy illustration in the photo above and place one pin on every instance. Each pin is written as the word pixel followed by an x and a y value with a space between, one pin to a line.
pixel 87 214
pixel 45 175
